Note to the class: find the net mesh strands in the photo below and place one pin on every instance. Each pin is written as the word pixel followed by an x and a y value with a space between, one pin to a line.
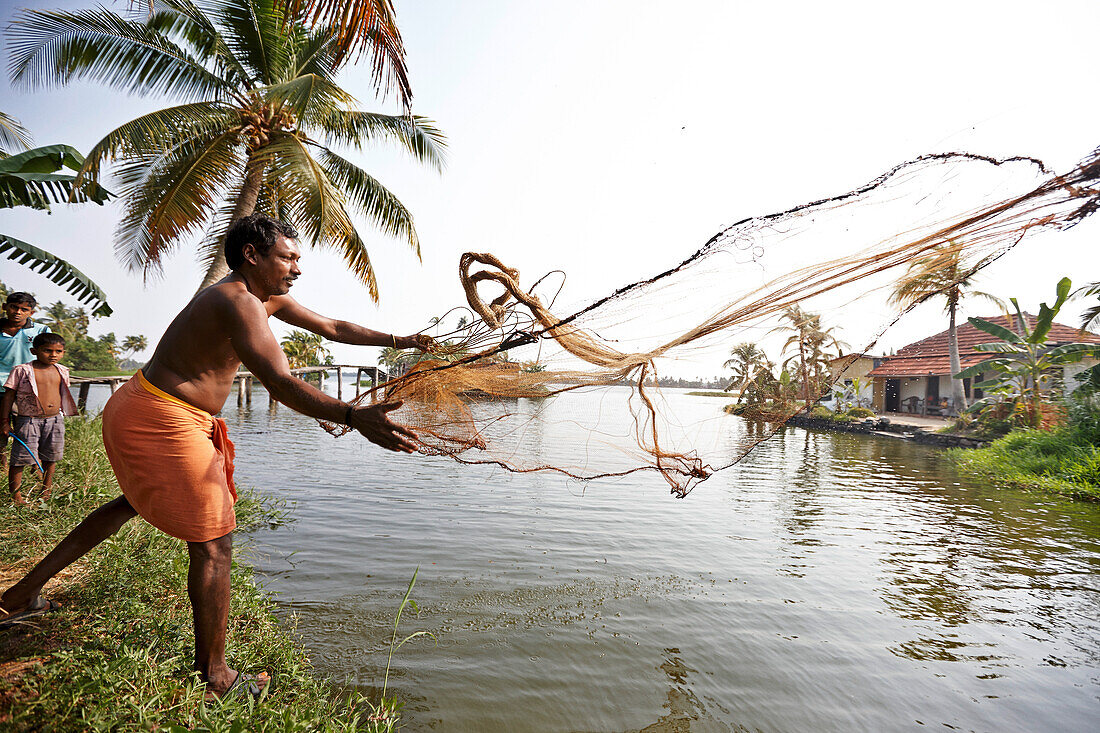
pixel 493 391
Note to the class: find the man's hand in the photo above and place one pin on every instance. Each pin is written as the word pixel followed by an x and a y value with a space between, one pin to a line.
pixel 374 423
pixel 5 428
pixel 421 341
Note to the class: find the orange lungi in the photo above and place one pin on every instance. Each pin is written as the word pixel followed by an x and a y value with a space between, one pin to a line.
pixel 173 461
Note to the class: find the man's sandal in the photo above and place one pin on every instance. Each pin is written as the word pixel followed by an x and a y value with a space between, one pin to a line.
pixel 37 608
pixel 253 684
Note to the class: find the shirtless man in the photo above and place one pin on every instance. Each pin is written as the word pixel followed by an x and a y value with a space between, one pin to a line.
pixel 172 457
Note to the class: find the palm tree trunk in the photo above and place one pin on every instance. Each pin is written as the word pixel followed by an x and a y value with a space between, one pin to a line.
pixel 958 393
pixel 805 374
pixel 246 205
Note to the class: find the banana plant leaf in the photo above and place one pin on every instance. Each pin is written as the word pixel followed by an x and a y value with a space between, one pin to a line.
pixel 58 271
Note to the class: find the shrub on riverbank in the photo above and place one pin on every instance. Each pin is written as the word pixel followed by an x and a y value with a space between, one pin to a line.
pixel 1065 460
pixel 117 656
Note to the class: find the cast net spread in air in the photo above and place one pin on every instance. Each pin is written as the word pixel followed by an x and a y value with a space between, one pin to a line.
pixel 531 386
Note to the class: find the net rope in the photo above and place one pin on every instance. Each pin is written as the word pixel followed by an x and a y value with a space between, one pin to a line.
pixel 471 401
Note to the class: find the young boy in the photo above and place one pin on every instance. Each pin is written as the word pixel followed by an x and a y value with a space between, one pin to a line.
pixel 17 332
pixel 39 391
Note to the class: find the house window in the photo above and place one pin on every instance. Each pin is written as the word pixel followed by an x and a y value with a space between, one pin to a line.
pixel 966 387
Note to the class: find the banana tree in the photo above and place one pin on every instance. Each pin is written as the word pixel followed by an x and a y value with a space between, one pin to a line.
pixel 32 178
pixel 1025 370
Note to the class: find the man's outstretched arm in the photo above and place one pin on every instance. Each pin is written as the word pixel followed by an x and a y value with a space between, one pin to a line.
pixel 261 354
pixel 291 311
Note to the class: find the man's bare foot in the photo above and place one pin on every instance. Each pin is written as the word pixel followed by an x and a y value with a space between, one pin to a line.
pixel 222 685
pixel 219 680
pixel 46 493
pixel 17 497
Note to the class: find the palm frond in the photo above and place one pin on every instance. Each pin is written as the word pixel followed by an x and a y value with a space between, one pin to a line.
pixel 254 31
pixel 370 198
pixel 416 134
pixel 308 96
pixel 12 135
pixel 160 131
pixel 182 19
pixel 359 27
pixel 1090 318
pixel 172 195
pixel 55 47
pixel 317 207
pixel 58 271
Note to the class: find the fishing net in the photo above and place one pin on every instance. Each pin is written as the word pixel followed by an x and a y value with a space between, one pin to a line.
pixel 531 385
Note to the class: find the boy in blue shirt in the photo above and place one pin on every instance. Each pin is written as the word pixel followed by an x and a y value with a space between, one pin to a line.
pixel 17 332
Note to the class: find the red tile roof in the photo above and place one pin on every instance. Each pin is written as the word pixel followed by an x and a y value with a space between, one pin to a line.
pixel 928 357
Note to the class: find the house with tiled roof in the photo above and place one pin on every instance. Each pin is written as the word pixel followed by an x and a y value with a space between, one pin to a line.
pixel 918 377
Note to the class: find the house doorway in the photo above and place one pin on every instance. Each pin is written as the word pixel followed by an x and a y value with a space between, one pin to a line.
pixel 893 395
pixel 932 391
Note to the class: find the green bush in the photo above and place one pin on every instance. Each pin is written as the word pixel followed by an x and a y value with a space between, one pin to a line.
pixel 821 412
pixel 1061 461
pixel 861 412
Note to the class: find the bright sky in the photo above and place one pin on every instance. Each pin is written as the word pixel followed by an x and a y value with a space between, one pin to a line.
pixel 612 139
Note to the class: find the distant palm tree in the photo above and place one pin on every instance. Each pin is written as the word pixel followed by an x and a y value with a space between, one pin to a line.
pixel 809 341
pixel 943 273
pixel 304 349
pixel 70 323
pixel 260 96
pixel 747 359
pixel 133 344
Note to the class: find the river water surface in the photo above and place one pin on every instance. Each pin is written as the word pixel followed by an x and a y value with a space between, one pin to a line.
pixel 828 582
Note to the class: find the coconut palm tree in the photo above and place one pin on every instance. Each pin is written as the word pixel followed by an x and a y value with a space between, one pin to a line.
pixel 133 344
pixel 943 273
pixel 260 105
pixel 746 360
pixel 70 323
pixel 304 349
pixel 810 343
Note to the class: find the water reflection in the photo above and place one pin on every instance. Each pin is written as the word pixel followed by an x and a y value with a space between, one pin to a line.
pixel 799 590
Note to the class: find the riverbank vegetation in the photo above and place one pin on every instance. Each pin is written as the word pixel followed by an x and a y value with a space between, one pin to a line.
pixel 1051 430
pixel 117 655
pixel 1065 460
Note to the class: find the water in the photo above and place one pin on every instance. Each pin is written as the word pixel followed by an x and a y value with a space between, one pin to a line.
pixel 829 582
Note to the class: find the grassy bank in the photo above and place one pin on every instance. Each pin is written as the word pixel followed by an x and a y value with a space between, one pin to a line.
pixel 117 656
pixel 1065 461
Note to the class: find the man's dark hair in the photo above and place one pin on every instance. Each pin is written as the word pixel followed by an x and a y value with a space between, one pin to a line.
pixel 22 297
pixel 48 338
pixel 258 230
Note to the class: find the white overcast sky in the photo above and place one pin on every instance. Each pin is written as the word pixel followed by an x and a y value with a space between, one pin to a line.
pixel 611 139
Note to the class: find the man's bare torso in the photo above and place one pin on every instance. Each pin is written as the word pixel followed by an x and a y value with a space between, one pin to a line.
pixel 195 359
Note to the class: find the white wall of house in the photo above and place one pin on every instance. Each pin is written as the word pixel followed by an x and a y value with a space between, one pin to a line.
pixel 866 390
pixel 911 387
pixel 1070 372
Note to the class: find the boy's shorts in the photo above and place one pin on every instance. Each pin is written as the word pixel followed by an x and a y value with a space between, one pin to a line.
pixel 44 435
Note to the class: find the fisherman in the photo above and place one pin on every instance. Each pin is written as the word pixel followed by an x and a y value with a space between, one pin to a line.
pixel 174 460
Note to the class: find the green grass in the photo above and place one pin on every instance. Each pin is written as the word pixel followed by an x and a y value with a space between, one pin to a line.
pixel 1063 461
pixel 710 393
pixel 117 656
